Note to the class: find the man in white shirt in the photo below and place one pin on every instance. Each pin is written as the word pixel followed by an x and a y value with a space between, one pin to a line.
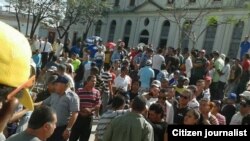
pixel 188 64
pixel 244 110
pixel 157 61
pixel 45 48
pixel 123 81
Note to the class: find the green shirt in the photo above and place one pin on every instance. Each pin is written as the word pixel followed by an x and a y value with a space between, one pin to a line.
pixel 218 65
pixel 76 63
pixel 129 127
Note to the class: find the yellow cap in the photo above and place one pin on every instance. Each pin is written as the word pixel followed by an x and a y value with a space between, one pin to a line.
pixel 15 60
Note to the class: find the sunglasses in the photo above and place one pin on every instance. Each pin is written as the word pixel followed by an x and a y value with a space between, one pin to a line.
pixel 25 85
pixel 184 97
pixel 243 104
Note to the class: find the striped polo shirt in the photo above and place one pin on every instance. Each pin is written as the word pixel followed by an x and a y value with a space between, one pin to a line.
pixel 89 99
pixel 106 77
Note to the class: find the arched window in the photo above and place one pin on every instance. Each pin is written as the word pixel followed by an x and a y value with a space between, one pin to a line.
pixel 236 39
pixel 98 28
pixel 112 31
pixel 209 38
pixel 117 2
pixel 144 36
pixel 186 31
pixel 127 31
pixel 164 34
pixel 132 3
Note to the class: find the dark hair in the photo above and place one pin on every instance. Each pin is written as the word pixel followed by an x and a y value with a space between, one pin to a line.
pixel 246 120
pixel 124 68
pixel 107 67
pixel 139 103
pixel 136 81
pixel 94 70
pixel 157 108
pixel 118 101
pixel 227 60
pixel 193 88
pixel 40 116
pixel 90 77
pixel 163 66
pixel 196 113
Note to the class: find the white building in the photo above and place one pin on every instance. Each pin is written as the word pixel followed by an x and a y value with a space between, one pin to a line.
pixel 137 21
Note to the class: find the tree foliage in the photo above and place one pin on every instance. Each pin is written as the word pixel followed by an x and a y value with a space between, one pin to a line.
pixel 93 10
pixel 40 10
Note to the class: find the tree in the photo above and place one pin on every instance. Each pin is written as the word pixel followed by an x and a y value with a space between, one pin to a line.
pixel 40 10
pixel 92 11
pixel 186 15
pixel 70 13
pixel 19 7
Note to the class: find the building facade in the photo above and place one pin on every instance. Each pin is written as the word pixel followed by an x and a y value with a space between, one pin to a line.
pixel 153 22
pixel 10 18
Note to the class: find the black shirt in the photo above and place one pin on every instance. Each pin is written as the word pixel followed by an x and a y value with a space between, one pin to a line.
pixel 179 114
pixel 159 130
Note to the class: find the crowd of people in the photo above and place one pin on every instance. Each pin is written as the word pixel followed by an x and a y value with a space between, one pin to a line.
pixel 135 93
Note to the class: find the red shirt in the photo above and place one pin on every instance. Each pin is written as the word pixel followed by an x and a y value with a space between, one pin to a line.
pixel 245 65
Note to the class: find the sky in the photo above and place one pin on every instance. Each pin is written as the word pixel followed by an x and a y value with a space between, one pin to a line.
pixel 2 4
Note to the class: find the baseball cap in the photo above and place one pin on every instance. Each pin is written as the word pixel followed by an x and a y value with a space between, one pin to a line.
pixel 203 51
pixel 182 78
pixel 52 69
pixel 245 94
pixel 245 102
pixel 165 79
pixel 62 79
pixel 52 79
pixel 148 62
pixel 15 61
pixel 232 96
pixel 156 83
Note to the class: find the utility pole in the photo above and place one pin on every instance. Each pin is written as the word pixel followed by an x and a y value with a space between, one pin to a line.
pixel 28 20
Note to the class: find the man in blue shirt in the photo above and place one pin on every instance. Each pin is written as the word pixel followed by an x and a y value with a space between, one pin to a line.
pixel 146 75
pixel 244 46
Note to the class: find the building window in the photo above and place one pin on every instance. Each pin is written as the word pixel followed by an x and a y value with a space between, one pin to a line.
pixel 170 1
pixel 117 2
pixel 236 39
pixel 127 31
pixel 132 3
pixel 186 31
pixel 209 38
pixel 146 22
pixel 192 1
pixel 112 31
pixel 164 34
pixel 98 28
pixel 144 36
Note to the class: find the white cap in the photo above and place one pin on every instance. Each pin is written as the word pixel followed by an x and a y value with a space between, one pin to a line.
pixel 245 94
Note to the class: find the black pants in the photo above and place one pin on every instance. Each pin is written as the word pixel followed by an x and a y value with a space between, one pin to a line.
pixel 81 129
pixel 214 91
pixel 57 135
pixel 220 90
pixel 45 58
pixel 51 54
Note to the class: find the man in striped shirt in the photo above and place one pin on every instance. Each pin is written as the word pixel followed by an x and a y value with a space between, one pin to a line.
pixel 107 79
pixel 118 104
pixel 90 102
